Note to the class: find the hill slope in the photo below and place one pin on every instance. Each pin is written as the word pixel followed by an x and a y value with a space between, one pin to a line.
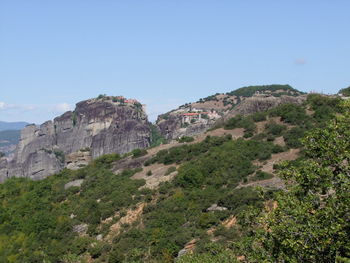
pixel 198 196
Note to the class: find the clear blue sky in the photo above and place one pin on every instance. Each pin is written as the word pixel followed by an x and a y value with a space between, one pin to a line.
pixel 165 52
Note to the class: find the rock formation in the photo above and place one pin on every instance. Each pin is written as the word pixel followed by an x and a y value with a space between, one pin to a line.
pixel 96 127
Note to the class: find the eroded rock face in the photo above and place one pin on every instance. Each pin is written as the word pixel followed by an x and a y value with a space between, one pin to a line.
pixel 99 125
pixel 172 128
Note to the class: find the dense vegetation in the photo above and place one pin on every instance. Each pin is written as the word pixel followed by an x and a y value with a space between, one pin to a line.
pixel 156 137
pixel 251 90
pixel 307 223
pixel 345 92
pixel 38 216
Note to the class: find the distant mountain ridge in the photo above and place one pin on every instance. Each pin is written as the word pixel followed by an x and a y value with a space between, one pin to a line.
pixel 10 133
pixel 12 125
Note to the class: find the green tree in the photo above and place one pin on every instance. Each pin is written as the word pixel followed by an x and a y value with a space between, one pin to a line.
pixel 311 222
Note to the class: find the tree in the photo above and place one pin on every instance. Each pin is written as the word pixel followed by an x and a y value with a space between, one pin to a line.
pixel 2 154
pixel 312 220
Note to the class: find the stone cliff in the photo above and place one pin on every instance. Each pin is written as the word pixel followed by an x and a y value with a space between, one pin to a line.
pixel 96 127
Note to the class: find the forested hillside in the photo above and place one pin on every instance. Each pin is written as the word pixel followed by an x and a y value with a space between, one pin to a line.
pixel 224 198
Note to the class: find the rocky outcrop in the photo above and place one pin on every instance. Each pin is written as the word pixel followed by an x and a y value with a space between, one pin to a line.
pixel 96 127
pixel 75 183
pixel 173 128
pixel 77 160
pixel 215 207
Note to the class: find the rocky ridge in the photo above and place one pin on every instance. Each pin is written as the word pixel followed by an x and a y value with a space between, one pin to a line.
pixel 194 118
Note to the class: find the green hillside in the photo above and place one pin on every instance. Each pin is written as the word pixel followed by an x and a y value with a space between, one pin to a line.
pixel 121 221
pixel 276 88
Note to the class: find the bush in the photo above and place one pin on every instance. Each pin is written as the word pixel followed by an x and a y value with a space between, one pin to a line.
pixel 191 177
pixel 59 155
pixel 274 128
pixel 259 116
pixel 138 153
pixel 260 175
pixel 293 136
pixel 149 173
pixel 185 139
pixel 240 197
pixel 241 122
pixel 156 137
pixel 107 160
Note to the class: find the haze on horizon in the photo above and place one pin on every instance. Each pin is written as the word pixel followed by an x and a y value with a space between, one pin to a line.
pixel 164 53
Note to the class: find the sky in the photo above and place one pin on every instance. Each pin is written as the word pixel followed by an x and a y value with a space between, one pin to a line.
pixel 55 53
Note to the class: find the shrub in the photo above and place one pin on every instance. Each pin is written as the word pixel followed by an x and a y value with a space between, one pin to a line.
pixel 260 175
pixel 149 173
pixel 239 197
pixel 59 155
pixel 74 118
pixel 241 122
pixel 107 160
pixel 138 153
pixel 191 177
pixel 274 128
pixel 156 137
pixel 86 149
pixel 185 139
pixel 259 116
pixel 293 136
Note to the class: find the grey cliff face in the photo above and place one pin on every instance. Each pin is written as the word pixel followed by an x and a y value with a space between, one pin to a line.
pixel 172 128
pixel 99 125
